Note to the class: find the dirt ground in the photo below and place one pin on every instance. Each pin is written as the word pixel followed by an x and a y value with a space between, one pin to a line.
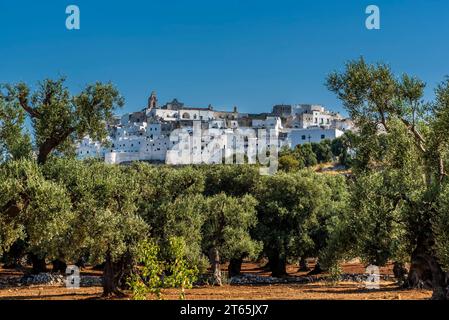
pixel 317 290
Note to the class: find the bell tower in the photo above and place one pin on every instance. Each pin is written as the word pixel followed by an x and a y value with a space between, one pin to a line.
pixel 152 101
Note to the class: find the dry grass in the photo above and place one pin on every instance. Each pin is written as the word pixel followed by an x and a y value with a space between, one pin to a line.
pixel 330 168
pixel 340 291
pixel 311 291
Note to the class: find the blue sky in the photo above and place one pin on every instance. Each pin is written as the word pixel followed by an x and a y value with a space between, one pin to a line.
pixel 248 53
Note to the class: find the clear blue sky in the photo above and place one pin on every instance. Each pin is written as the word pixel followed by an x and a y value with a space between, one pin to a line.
pixel 249 53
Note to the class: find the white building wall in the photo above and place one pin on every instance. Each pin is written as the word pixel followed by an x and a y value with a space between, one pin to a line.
pixel 147 141
pixel 311 135
pixel 87 148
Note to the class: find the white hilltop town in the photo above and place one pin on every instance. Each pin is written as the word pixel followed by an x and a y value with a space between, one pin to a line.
pixel 147 135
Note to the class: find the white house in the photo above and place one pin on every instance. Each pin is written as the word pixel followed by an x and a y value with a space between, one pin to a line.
pixel 310 135
pixel 146 135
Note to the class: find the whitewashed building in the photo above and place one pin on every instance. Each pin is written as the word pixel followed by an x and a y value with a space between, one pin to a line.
pixel 311 135
pixel 147 135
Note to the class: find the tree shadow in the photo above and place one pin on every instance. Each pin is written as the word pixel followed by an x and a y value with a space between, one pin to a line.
pixel 352 290
pixel 58 296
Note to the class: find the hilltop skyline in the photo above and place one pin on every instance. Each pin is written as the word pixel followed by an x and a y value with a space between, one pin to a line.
pixel 252 55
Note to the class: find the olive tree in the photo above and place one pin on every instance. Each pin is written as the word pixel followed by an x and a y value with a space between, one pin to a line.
pixel 184 218
pixel 234 180
pixel 15 142
pixel 107 226
pixel 226 230
pixel 323 151
pixel 289 205
pixel 57 117
pixel 441 229
pixel 342 148
pixel 38 211
pixel 403 141
pixel 305 155
pixel 168 200
pixel 288 162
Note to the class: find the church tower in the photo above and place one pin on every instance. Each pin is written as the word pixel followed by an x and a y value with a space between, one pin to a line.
pixel 152 101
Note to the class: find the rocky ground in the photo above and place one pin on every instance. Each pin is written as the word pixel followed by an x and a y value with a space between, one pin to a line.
pixel 249 278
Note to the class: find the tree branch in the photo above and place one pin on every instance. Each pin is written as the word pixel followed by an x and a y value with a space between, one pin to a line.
pixel 12 209
pixel 23 101
pixel 51 143
pixel 418 137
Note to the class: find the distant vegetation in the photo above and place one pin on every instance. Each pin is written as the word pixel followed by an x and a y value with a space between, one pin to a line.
pixel 310 154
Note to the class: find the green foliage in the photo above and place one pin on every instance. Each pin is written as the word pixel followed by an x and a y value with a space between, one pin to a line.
pixel 159 186
pixel 439 130
pixel 441 228
pixel 342 148
pixel 334 274
pixel 322 151
pixel 401 155
pixel 181 275
pixel 41 213
pixel 373 227
pixel 148 280
pixel 368 92
pixel 169 200
pixel 11 227
pixel 228 224
pixel 301 157
pixel 234 180
pixel 57 117
pixel 294 211
pixel 288 163
pixel 15 143
pixel 306 155
pixel 184 218
pixel 104 201
pixel 156 273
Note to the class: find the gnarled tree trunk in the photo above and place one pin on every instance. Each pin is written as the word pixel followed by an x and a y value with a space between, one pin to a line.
pixel 15 257
pixel 214 259
pixel 124 269
pixel 110 281
pixel 303 264
pixel 316 270
pixel 39 264
pixel 59 266
pixel 235 267
pixel 277 265
pixel 426 272
pixel 400 272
